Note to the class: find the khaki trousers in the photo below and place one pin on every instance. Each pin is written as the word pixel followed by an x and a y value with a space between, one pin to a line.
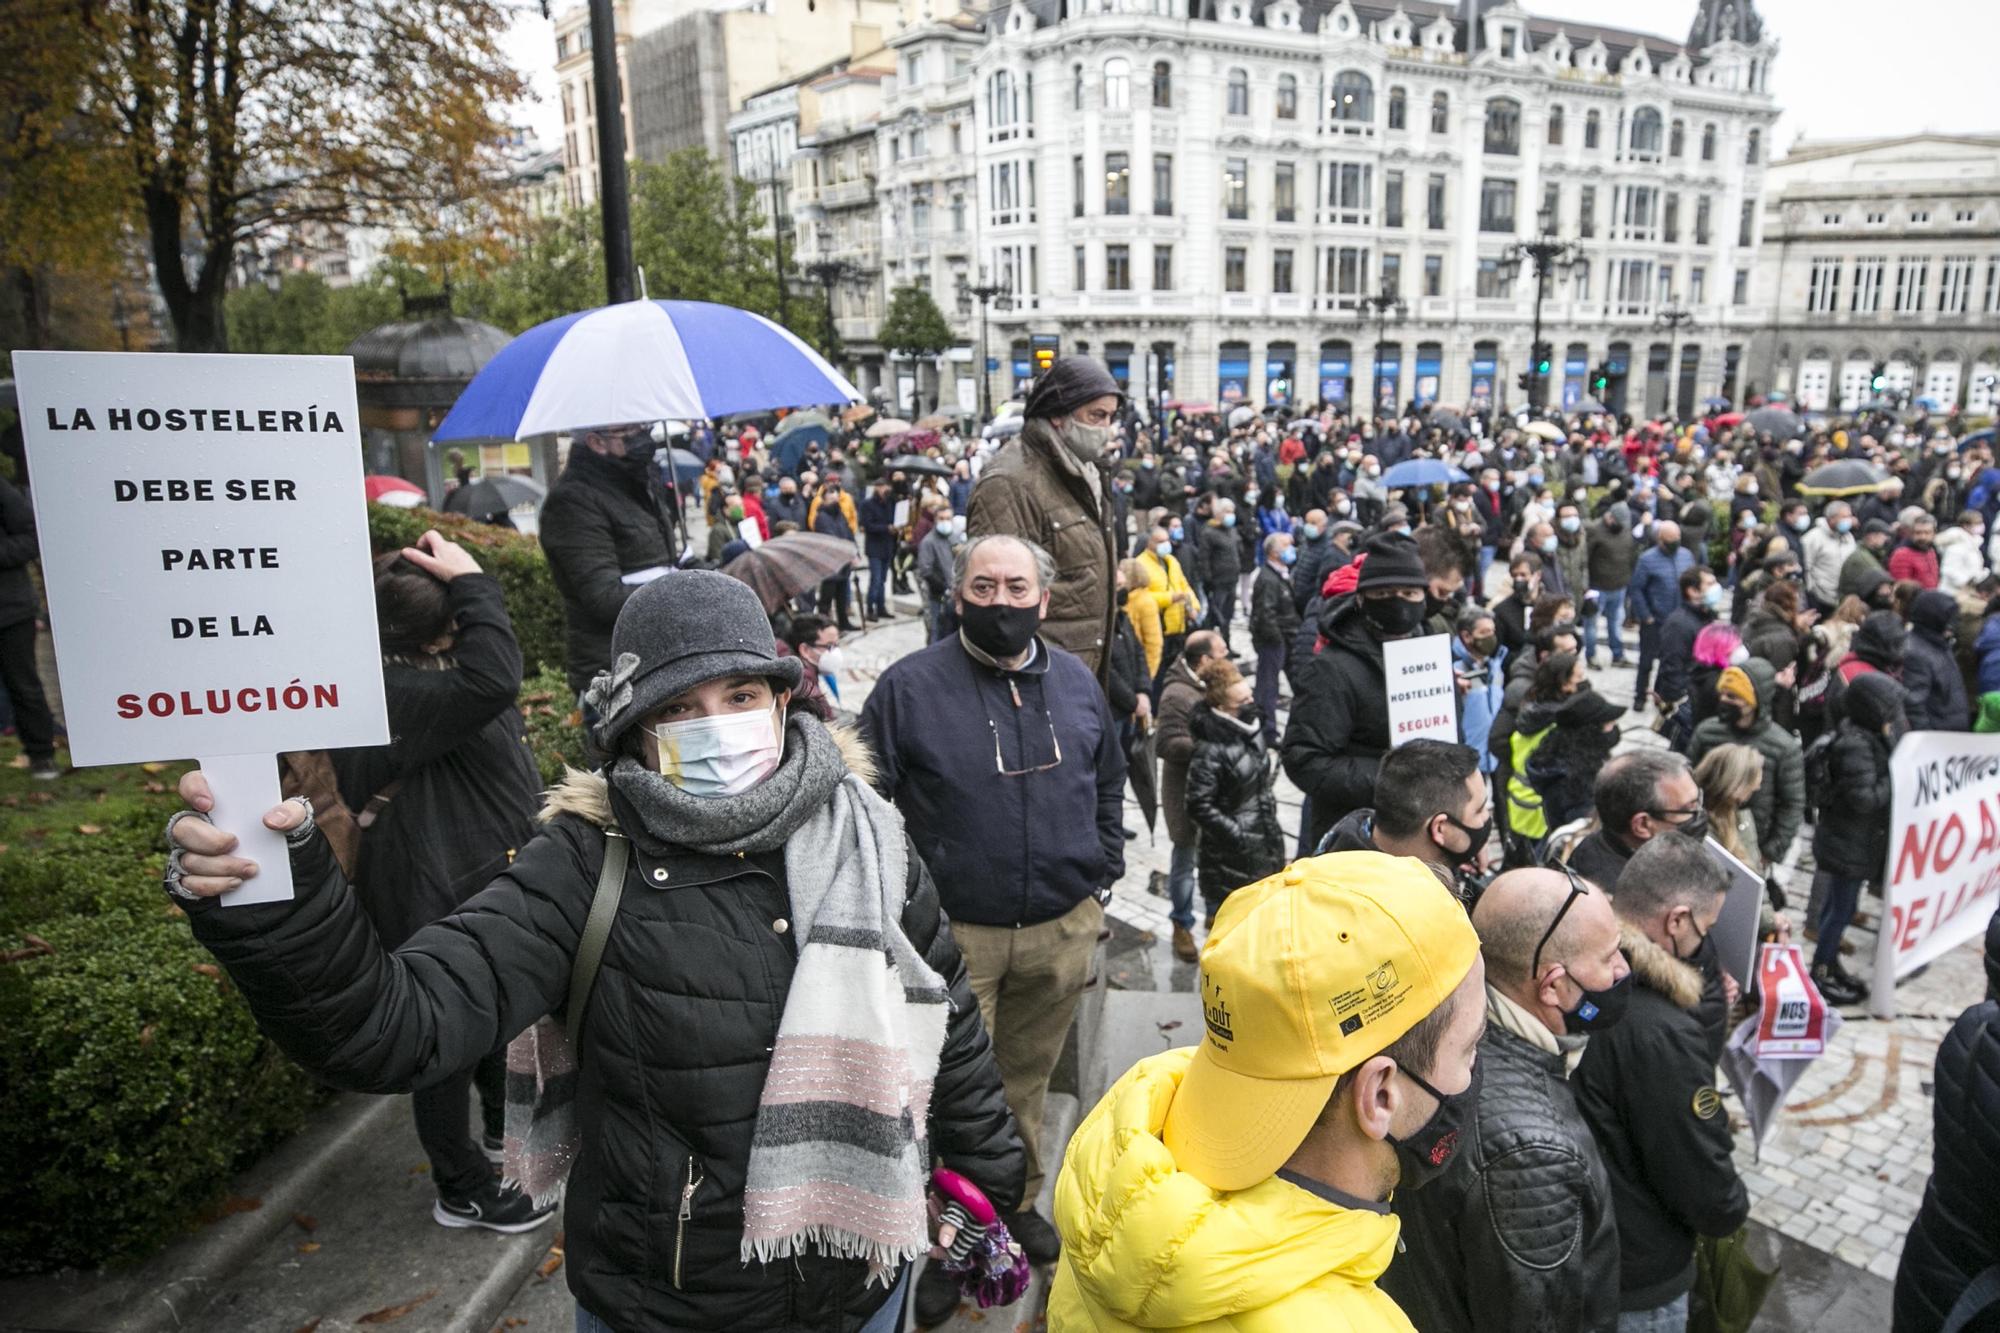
pixel 1028 980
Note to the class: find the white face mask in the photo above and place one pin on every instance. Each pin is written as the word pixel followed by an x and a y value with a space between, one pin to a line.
pixel 723 755
pixel 831 661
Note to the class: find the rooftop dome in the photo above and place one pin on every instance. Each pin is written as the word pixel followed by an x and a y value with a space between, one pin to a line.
pixel 422 362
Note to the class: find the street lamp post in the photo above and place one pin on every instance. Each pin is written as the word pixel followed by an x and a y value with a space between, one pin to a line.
pixel 1551 258
pixel 1386 306
pixel 1673 317
pixel 828 273
pixel 779 221
pixel 983 291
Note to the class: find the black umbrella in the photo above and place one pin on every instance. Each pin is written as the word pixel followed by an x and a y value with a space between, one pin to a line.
pixel 1589 407
pixel 1141 773
pixel 1781 422
pixel 1447 420
pixel 491 497
pixel 1850 476
pixel 917 463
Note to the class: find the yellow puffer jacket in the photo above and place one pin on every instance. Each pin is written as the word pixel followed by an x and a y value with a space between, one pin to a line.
pixel 1146 1246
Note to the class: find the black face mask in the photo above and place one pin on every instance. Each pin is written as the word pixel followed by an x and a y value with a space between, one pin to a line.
pixel 1521 587
pixel 1425 1155
pixel 1694 827
pixel 1598 1009
pixel 1249 714
pixel 998 629
pixel 1700 944
pixel 1476 833
pixel 1392 617
pixel 637 463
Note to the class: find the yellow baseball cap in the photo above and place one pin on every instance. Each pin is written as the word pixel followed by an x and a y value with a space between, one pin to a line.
pixel 1306 975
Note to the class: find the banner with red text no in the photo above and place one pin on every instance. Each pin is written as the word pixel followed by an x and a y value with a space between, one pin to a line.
pixel 1944 847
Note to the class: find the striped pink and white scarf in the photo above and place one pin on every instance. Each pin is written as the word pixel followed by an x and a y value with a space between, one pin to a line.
pixel 839 1159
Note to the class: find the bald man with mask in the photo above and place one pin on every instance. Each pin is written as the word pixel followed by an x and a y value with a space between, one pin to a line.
pixel 1519 1235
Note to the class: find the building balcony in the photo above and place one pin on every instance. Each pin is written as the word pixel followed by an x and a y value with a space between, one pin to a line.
pixel 848 194
pixel 856 328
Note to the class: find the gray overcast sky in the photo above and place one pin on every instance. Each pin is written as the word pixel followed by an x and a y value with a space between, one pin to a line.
pixel 1845 68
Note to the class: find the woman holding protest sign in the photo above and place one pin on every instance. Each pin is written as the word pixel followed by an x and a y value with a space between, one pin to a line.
pixel 742 1161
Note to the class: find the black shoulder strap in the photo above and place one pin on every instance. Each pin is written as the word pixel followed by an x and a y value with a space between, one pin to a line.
pixel 596 929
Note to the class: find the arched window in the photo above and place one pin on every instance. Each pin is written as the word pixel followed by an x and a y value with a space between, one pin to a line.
pixel 1555 125
pixel 1118 84
pixel 1752 146
pixel 1677 139
pixel 1592 125
pixel 1076 87
pixel 1239 93
pixel 1163 83
pixel 1353 97
pixel 1440 113
pixel 1503 126
pixel 1288 97
pixel 1399 109
pixel 1708 143
pixel 1645 132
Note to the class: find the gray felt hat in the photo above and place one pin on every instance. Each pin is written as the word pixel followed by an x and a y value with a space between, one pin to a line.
pixel 683 628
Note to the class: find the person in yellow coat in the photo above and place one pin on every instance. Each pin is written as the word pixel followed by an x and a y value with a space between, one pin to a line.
pixel 1142 608
pixel 1171 594
pixel 1242 1185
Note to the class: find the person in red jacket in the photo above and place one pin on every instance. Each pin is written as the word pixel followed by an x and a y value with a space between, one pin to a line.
pixel 1917 559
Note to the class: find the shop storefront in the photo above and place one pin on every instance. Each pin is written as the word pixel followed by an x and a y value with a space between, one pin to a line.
pixel 1336 373
pixel 1232 373
pixel 1430 371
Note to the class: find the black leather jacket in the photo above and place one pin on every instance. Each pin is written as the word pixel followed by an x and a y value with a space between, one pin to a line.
pixel 1518 1235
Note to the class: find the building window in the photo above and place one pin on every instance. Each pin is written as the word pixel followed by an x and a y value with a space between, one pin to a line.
pixel 1285 192
pixel 1281 271
pixel 1236 188
pixel 1635 222
pixel 1076 87
pixel 1919 216
pixel 1549 216
pixel 1992 303
pixel 1117 268
pixel 1555 125
pixel 1347 273
pixel 1670 222
pixel 1349 187
pixel 1503 126
pixel 1876 219
pixel 958 215
pixel 1823 287
pixel 1579 282
pixel 1496 206
pixel 1239 93
pixel 1677 139
pixel 1007 110
pixel 1631 286
pixel 1965 215
pixel 1440 113
pixel 1753 147
pixel 1288 97
pixel 1399 109
pixel 1586 212
pixel 1645 134
pixel 1593 125
pixel 1353 98
pixel 1708 143
pixel 1163 185
pixel 1829 219
pixel 1082 270
pixel 1912 276
pixel 1739 287
pixel 1492 283
pixel 1746 225
pixel 1163 83
pixel 1507 38
pixel 1697 285
pixel 1117 184
pixel 1118 84
pixel 1076 185
pixel 1867 297
pixel 1434 203
pixel 1433 275
pixel 920 218
pixel 1163 268
pixel 1234 264
pixel 1392 274
pixel 1954 284
pixel 1392 199
pixel 1701 220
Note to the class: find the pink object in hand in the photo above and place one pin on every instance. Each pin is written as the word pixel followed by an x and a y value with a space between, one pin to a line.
pixel 979 1253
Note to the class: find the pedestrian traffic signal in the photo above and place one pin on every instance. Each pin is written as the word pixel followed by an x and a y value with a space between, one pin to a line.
pixel 1544 354
pixel 1600 379
pixel 1878 379
pixel 1524 380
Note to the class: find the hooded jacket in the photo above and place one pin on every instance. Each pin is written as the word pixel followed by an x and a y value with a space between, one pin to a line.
pixel 1956 1233
pixel 1860 572
pixel 1230 799
pixel 1339 727
pixel 1647 1088
pixel 1060 505
pixel 671 1062
pixel 1677 635
pixel 1148 1246
pixel 1852 835
pixel 1930 668
pixel 1880 643
pixel 600 521
pixel 1779 803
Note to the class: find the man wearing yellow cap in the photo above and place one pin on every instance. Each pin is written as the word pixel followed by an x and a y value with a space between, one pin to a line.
pixel 1242 1184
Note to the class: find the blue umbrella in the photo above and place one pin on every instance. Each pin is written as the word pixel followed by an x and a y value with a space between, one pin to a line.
pixel 1715 404
pixel 1984 437
pixel 1421 472
pixel 1928 403
pixel 641 361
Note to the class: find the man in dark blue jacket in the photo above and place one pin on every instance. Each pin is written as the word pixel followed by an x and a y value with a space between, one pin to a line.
pixel 992 743
pixel 878 536
pixel 1653 595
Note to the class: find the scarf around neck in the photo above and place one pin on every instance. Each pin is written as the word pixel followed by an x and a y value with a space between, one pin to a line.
pixel 758 820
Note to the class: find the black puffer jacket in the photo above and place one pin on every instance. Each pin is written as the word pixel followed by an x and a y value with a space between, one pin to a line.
pixel 1930 666
pixel 1852 835
pixel 1230 799
pixel 1339 727
pixel 671 1062
pixel 1647 1088
pixel 18 550
pixel 601 521
pixel 1956 1234
pixel 1518 1235
pixel 1563 768
pixel 1273 621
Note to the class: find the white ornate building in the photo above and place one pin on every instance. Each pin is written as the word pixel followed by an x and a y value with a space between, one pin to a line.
pixel 1883 254
pixel 1206 199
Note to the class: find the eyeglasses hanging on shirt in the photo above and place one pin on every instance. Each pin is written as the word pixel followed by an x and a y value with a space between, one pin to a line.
pixel 1024 761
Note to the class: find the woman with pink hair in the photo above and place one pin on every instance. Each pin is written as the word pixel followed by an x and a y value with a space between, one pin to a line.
pixel 1717 648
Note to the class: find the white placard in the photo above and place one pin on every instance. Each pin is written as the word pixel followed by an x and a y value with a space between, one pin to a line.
pixel 1944 852
pixel 752 535
pixel 1735 929
pixel 1423 697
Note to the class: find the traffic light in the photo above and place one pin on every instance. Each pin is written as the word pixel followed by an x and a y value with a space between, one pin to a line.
pixel 1600 379
pixel 1045 357
pixel 1524 379
pixel 1878 379
pixel 1544 354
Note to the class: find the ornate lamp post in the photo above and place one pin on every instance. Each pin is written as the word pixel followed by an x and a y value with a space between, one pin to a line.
pixel 1388 308
pixel 1000 297
pixel 1551 258
pixel 1673 317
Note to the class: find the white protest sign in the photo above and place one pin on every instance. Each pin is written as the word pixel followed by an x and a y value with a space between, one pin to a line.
pixel 1944 851
pixel 1423 696
pixel 1735 929
pixel 204 544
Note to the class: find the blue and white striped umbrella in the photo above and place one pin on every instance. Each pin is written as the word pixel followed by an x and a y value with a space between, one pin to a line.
pixel 641 361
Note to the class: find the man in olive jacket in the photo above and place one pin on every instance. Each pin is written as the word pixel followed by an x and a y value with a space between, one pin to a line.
pixel 1045 486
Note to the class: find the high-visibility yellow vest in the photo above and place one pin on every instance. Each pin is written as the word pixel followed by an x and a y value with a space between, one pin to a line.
pixel 1524 803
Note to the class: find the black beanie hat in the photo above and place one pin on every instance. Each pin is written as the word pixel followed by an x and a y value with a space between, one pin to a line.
pixel 1070 383
pixel 1393 562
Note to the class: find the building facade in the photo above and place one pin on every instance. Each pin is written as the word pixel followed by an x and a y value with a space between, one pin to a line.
pixel 1882 257
pixel 1208 199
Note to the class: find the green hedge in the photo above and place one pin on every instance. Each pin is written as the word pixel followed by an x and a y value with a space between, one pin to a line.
pixel 133 1081
pixel 513 558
